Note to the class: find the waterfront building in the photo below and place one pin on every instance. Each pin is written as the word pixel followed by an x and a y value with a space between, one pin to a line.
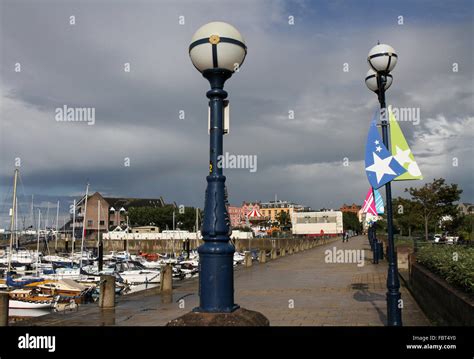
pixel 353 208
pixel 107 213
pixel 465 208
pixel 314 224
pixel 271 210
pixel 235 215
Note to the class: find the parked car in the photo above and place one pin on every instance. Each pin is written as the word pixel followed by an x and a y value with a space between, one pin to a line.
pixel 450 238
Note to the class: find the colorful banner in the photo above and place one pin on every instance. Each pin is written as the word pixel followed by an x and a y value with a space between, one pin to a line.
pixel 369 203
pixel 381 167
pixel 402 152
pixel 379 207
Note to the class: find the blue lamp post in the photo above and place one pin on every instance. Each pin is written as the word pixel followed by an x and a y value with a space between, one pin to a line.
pixel 217 50
pixel 382 59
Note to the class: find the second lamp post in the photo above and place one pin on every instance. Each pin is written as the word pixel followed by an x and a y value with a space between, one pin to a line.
pixel 382 59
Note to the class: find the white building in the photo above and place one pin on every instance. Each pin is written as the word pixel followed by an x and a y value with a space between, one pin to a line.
pixel 177 234
pixel 317 223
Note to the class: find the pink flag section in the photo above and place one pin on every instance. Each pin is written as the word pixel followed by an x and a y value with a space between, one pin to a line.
pixel 369 203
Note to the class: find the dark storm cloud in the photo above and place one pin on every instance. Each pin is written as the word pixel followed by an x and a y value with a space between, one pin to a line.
pixel 288 68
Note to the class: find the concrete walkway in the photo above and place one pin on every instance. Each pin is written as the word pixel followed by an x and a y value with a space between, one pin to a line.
pixel 301 289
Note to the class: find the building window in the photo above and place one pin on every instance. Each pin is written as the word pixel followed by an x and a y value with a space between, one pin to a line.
pixel 111 223
pixel 90 223
pixel 102 223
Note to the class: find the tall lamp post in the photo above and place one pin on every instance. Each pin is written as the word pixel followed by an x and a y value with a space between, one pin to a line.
pixel 382 59
pixel 217 50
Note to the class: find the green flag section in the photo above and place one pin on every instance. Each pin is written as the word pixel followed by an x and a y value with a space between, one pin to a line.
pixel 402 152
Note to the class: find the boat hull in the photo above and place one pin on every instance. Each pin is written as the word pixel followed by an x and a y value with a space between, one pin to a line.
pixel 20 304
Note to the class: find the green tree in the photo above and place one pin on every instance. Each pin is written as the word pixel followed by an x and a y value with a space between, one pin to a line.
pixel 283 218
pixel 163 217
pixel 350 221
pixel 436 199
pixel 406 215
pixel 466 227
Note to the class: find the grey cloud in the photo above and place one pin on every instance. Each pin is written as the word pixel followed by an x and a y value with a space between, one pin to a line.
pixel 297 68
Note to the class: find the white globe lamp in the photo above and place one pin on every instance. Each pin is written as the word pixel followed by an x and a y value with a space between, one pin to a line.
pixel 217 45
pixel 371 80
pixel 382 58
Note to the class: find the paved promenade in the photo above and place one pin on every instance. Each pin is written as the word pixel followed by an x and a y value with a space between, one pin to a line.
pixel 301 289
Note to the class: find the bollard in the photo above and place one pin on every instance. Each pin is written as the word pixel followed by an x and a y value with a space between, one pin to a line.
pixel 107 291
pixel 166 278
pixel 376 253
pixel 380 250
pixel 262 258
pixel 273 254
pixel 290 250
pixel 283 252
pixel 248 259
pixel 4 304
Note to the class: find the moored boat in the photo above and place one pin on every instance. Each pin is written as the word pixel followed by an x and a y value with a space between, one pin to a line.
pixel 30 299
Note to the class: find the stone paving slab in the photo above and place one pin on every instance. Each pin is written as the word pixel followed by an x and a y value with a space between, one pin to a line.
pixel 298 289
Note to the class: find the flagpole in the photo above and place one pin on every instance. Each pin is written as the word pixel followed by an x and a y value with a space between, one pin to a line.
pixel 394 302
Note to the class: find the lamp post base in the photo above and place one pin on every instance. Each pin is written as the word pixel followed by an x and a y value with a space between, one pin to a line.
pixel 238 318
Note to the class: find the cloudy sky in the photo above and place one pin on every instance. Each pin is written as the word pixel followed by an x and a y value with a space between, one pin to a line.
pixel 296 67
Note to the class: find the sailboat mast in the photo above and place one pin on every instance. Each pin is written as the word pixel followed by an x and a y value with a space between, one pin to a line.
pixel 84 224
pixel 12 222
pixel 38 244
pixel 16 223
pixel 57 228
pixel 73 236
pixel 32 213
pixel 197 222
pixel 98 223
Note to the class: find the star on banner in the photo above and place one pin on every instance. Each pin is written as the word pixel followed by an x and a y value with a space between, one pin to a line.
pixel 381 167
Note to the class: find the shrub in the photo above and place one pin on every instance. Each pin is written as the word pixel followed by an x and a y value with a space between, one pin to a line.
pixel 453 263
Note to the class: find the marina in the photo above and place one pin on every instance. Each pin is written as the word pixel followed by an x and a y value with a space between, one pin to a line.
pixel 295 288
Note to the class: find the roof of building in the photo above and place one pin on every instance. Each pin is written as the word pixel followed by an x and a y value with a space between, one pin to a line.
pixel 126 203
pixel 350 205
pixel 280 204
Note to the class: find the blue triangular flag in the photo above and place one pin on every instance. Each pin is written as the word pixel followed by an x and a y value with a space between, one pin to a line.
pixel 378 202
pixel 380 165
